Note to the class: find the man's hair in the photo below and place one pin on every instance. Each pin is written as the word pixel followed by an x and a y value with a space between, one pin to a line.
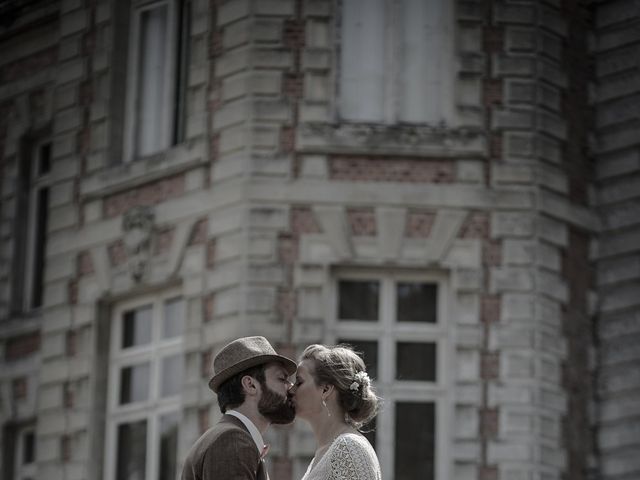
pixel 231 393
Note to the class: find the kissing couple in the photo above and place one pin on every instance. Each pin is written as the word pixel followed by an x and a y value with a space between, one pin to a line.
pixel 332 392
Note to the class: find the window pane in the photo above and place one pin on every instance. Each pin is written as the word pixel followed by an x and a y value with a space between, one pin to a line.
pixel 28 448
pixel 420 60
pixel 168 446
pixel 136 327
pixel 134 383
pixel 173 321
pixel 362 57
pixel 368 351
pixel 417 302
pixel 152 99
pixel 44 159
pixel 171 375
pixel 416 361
pixel 39 246
pixel 369 431
pixel 358 300
pixel 415 441
pixel 131 463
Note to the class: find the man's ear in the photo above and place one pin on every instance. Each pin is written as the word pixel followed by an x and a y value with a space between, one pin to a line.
pixel 249 385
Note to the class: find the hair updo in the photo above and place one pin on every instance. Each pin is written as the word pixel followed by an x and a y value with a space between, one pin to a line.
pixel 341 367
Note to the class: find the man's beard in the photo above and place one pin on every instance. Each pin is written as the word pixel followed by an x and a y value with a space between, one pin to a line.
pixel 275 408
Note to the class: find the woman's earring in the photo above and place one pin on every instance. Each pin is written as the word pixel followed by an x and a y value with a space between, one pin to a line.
pixel 324 403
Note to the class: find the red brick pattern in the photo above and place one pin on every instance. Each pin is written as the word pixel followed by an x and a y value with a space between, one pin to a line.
pixel 205 363
pixel 211 253
pixel 490 308
pixel 488 472
pixel 286 304
pixel 203 419
pixel 287 249
pixel 22 346
pixel 117 253
pixel 281 467
pixel 65 448
pixel 208 307
pixel 146 195
pixel 362 221
pixel 199 232
pixel 303 221
pixel 72 291
pixel 68 396
pixel 19 388
pixel 390 169
pixel 492 253
pixel 489 422
pixel 72 343
pixel 27 66
pixel 419 223
pixel 287 139
pixel 163 241
pixel 490 366
pixel 476 225
pixel 294 35
pixel 84 264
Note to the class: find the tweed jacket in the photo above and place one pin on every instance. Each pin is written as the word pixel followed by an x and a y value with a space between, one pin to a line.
pixel 225 452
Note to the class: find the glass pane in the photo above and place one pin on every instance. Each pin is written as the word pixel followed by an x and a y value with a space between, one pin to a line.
pixel 415 441
pixel 369 431
pixel 28 448
pixel 151 81
pixel 40 247
pixel 136 327
pixel 168 446
pixel 416 361
pixel 358 300
pixel 134 383
pixel 173 321
pixel 131 463
pixel 362 60
pixel 417 302
pixel 171 375
pixel 368 351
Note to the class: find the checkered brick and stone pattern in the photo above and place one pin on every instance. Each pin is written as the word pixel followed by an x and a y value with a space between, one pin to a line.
pixel 524 201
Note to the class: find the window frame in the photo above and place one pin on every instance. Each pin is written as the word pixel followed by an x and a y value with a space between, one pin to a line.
pixel 22 471
pixel 173 115
pixel 392 86
pixel 387 332
pixel 154 407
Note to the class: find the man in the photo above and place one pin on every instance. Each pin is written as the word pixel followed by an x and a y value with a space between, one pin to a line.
pixel 252 383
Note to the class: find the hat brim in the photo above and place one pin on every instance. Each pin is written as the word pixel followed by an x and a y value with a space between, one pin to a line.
pixel 220 377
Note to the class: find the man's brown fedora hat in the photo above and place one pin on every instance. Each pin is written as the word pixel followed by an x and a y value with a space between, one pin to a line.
pixel 245 353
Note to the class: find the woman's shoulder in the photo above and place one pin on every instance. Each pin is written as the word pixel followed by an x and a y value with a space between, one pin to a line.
pixel 354 450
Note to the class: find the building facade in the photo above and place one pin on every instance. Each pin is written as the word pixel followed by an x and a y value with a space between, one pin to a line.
pixel 453 187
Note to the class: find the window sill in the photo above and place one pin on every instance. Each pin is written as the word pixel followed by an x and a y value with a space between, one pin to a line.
pixel 124 176
pixel 377 139
pixel 21 323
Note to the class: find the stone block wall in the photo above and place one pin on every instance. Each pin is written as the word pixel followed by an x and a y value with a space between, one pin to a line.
pixel 615 48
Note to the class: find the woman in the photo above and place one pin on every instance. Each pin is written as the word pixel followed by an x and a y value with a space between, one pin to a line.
pixel 334 394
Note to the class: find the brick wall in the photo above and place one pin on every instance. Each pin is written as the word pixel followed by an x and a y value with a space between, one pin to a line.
pixel 618 249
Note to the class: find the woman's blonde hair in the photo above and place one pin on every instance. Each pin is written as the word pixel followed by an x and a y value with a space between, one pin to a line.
pixel 341 367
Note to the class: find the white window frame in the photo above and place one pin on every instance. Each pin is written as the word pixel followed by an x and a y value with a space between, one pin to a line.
pixel 24 471
pixel 37 182
pixel 391 102
pixel 154 407
pixel 387 332
pixel 170 48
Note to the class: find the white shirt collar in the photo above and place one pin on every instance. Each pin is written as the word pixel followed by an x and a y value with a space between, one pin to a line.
pixel 253 430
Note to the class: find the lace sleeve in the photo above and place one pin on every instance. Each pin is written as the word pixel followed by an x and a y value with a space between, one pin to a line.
pixel 354 459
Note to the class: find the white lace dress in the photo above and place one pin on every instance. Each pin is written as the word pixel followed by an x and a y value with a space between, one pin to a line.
pixel 349 457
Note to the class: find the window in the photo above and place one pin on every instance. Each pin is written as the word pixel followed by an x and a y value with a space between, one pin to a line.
pixel 392 55
pixel 397 320
pixel 31 232
pixel 25 454
pixel 145 374
pixel 158 63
